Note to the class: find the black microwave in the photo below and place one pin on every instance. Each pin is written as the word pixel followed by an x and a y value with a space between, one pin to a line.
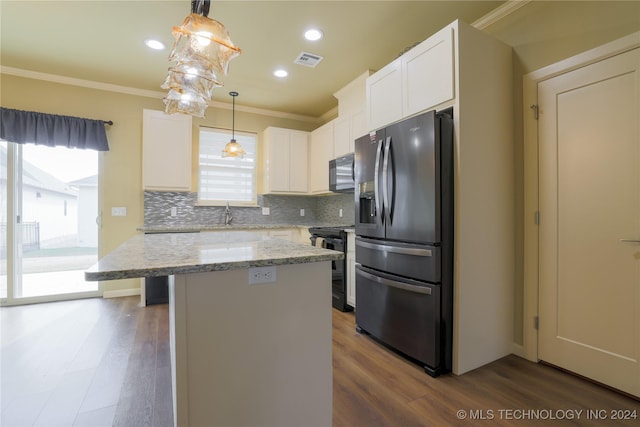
pixel 341 174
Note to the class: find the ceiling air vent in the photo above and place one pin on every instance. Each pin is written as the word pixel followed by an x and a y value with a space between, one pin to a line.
pixel 308 59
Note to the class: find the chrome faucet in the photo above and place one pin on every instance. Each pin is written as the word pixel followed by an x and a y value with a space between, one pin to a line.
pixel 227 215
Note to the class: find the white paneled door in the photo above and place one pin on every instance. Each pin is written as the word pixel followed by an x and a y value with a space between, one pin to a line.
pixel 589 177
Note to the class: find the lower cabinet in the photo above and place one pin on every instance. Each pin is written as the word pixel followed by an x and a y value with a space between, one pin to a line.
pixel 351 268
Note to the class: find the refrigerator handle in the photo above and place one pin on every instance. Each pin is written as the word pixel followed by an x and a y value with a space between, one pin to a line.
pixel 353 170
pixel 376 173
pixel 394 249
pixel 385 176
pixel 393 283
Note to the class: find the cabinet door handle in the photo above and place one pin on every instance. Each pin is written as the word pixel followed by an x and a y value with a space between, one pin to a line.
pixel 629 241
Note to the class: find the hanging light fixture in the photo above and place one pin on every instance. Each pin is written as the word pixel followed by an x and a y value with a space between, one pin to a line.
pixel 233 149
pixel 202 51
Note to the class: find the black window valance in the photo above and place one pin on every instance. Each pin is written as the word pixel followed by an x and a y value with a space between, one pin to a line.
pixel 52 130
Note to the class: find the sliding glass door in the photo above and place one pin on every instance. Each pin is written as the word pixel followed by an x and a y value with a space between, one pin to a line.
pixel 52 223
pixel 4 230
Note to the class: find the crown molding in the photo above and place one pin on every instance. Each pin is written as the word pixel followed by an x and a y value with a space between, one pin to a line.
pixel 18 72
pixel 500 12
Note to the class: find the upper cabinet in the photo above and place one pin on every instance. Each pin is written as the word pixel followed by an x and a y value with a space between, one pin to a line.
pixel 320 152
pixel 336 138
pixel 285 159
pixel 166 151
pixel 427 73
pixel 384 96
pixel 347 130
pixel 421 78
pixel 352 120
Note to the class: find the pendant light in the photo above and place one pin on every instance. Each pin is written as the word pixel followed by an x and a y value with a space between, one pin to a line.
pixel 233 149
pixel 201 53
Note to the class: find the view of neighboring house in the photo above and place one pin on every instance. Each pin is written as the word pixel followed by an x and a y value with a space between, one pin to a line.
pixel 87 211
pixel 54 213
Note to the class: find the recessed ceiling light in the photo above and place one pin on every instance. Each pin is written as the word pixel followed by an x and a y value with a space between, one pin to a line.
pixel 313 34
pixel 154 44
pixel 280 73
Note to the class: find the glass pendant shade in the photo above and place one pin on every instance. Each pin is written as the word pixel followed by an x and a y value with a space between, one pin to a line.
pixel 233 149
pixel 201 52
pixel 204 39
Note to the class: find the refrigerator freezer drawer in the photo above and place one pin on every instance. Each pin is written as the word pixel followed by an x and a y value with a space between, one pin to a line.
pixel 405 314
pixel 421 262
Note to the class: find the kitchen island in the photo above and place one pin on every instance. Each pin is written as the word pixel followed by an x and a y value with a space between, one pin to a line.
pixel 241 354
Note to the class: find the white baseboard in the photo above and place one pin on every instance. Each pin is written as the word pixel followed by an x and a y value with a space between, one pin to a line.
pixel 518 350
pixel 121 293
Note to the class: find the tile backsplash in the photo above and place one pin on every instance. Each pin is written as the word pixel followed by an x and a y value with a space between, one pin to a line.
pixel 283 210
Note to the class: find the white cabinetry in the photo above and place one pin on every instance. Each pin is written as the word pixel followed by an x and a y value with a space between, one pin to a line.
pixel 320 152
pixel 336 138
pixel 421 78
pixel 384 96
pixel 470 71
pixel 351 268
pixel 166 151
pixel 352 119
pixel 346 131
pixel 285 161
pixel 427 73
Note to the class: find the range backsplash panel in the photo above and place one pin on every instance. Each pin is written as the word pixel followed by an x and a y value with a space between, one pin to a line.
pixel 283 210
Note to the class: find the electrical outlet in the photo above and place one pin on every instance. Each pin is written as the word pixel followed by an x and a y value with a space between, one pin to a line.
pixel 174 211
pixel 301 212
pixel 262 275
pixel 266 211
pixel 340 213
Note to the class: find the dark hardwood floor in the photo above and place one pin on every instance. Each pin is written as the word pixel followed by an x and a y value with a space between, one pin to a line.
pixel 93 362
pixel 104 362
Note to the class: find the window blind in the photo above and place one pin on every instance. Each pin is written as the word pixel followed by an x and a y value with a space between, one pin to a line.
pixel 222 179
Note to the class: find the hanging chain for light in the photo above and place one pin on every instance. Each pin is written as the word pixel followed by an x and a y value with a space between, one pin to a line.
pixel 233 116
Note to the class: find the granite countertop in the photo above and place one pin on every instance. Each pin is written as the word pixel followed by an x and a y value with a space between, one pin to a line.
pixel 221 227
pixel 148 255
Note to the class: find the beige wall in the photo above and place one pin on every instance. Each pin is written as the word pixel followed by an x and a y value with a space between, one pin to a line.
pixel 542 33
pixel 120 167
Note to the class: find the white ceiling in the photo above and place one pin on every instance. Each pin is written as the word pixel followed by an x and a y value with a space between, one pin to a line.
pixel 102 41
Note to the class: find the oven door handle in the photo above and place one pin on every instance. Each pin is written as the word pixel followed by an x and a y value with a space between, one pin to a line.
pixel 393 283
pixel 395 249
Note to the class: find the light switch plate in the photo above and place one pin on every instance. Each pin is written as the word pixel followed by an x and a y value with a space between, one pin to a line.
pixel 119 211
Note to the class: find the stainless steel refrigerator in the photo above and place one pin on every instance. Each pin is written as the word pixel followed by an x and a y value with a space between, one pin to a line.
pixel 404 243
